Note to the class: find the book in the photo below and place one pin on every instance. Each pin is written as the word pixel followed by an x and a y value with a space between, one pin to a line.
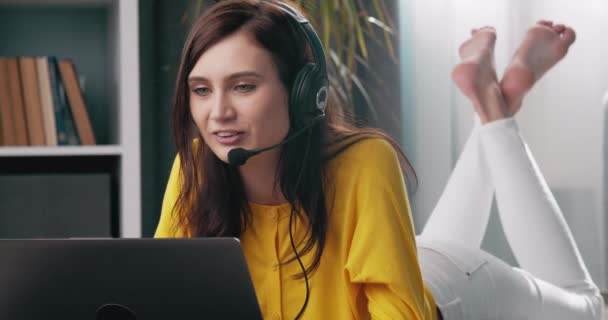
pixel 70 126
pixel 76 102
pixel 31 100
pixel 46 101
pixel 7 132
pixel 59 104
pixel 16 102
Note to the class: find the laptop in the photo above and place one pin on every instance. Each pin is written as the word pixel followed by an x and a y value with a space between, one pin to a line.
pixel 143 279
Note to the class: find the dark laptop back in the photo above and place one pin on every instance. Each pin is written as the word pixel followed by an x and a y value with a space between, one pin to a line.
pixel 125 279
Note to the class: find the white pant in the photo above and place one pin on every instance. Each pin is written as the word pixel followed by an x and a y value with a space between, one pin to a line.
pixel 468 283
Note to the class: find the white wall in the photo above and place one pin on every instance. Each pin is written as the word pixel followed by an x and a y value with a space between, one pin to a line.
pixel 562 118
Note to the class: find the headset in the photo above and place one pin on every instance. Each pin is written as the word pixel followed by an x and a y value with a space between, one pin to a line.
pixel 310 89
pixel 311 85
pixel 307 101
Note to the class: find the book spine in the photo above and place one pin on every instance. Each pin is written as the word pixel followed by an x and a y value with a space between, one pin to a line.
pixel 31 99
pixel 16 98
pixel 76 102
pixel 46 101
pixel 68 119
pixel 7 132
pixel 59 102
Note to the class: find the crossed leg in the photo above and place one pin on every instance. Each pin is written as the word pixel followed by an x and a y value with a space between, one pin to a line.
pixel 497 158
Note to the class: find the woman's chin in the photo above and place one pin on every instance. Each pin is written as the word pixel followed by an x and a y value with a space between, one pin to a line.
pixel 220 153
pixel 223 155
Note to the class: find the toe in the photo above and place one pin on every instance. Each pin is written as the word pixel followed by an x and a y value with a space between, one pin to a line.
pixel 559 28
pixel 488 31
pixel 547 23
pixel 568 36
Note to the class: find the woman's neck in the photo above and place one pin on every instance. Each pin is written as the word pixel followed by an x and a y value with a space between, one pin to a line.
pixel 258 176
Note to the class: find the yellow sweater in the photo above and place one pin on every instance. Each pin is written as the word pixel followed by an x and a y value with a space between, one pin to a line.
pixel 369 268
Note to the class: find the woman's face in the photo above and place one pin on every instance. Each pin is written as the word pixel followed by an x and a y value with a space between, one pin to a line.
pixel 237 98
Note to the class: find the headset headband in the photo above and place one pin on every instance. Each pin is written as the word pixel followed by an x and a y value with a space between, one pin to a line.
pixel 316 80
pixel 312 83
pixel 309 32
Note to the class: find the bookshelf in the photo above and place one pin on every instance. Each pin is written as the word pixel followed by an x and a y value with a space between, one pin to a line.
pixel 102 38
pixel 61 151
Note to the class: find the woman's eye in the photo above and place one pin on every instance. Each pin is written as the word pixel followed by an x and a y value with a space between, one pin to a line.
pixel 201 91
pixel 245 87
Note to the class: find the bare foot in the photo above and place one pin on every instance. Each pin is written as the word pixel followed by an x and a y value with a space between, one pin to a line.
pixel 543 46
pixel 476 75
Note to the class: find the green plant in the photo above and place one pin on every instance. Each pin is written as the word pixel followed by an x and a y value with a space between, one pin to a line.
pixel 346 28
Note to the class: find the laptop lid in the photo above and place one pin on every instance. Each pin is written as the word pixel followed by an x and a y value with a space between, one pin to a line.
pixel 125 279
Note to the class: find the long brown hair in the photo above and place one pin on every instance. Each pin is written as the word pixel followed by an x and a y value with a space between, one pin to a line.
pixel 212 200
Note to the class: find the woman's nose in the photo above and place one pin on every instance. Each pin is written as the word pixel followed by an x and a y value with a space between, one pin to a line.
pixel 222 109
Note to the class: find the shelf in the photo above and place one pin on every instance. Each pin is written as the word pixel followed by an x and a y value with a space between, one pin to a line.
pixel 70 3
pixel 101 37
pixel 62 151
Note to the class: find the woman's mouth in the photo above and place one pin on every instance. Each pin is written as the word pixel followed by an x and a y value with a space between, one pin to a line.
pixel 228 138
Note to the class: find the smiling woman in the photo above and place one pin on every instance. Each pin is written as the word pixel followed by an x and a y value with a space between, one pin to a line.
pixel 251 75
pixel 238 99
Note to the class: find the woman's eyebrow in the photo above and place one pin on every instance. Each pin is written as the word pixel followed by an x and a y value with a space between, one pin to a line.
pixel 230 77
pixel 243 74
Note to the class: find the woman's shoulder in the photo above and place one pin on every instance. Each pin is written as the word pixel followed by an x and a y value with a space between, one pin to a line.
pixel 365 154
pixel 366 150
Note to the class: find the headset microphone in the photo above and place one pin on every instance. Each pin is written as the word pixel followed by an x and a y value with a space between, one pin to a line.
pixel 238 156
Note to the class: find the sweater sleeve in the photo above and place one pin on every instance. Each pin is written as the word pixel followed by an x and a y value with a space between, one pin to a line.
pixel 383 255
pixel 164 228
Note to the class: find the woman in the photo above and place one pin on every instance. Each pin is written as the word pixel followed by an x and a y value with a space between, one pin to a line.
pixel 324 220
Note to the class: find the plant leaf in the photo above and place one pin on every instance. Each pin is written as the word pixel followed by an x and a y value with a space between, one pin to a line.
pixel 358 29
pixel 335 5
pixel 372 20
pixel 341 81
pixel 382 16
pixel 370 104
pixel 387 15
pixel 326 18
pixel 364 15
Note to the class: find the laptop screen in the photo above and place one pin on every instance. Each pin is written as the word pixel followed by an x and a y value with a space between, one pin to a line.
pixel 125 279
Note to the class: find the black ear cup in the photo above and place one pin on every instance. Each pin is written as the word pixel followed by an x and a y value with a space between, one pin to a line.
pixel 309 93
pixel 300 89
pixel 320 94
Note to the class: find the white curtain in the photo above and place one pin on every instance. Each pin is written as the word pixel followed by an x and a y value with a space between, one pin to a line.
pixel 562 118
